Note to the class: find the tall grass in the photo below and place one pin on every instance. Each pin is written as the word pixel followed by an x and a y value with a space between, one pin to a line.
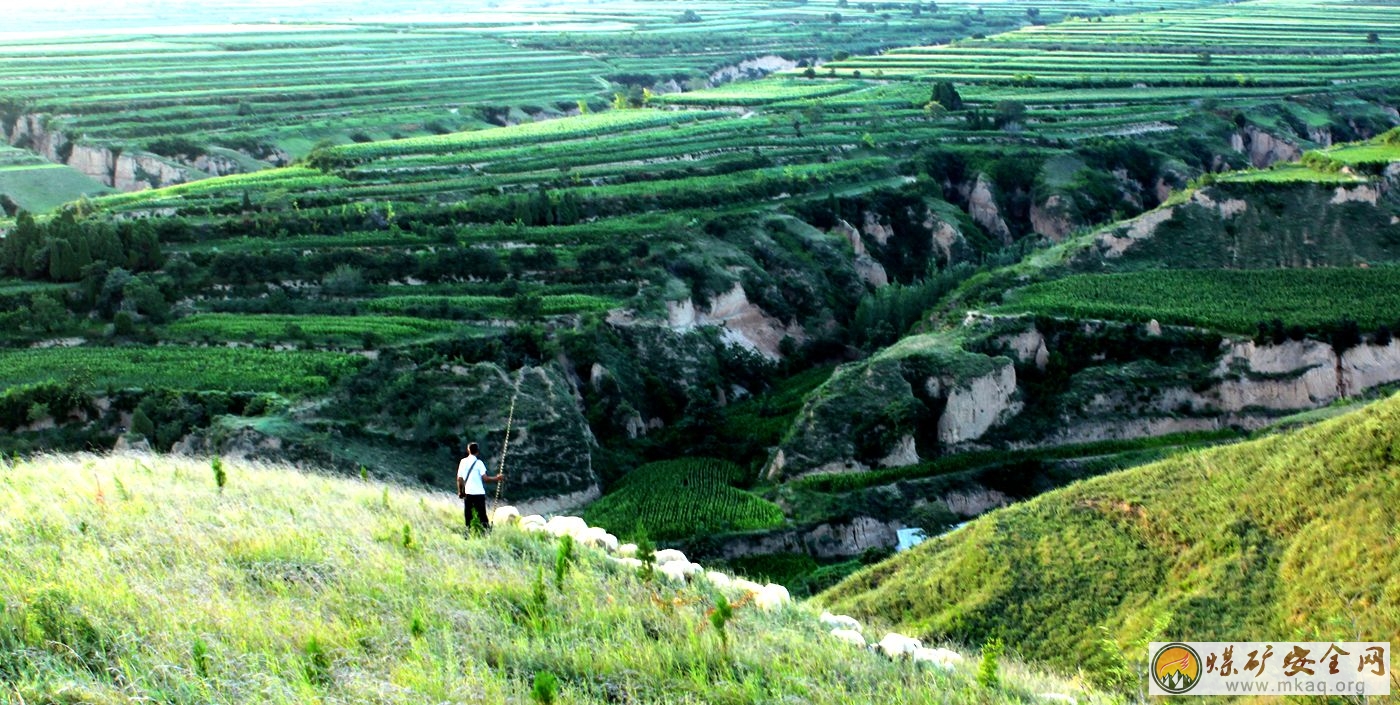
pixel 299 588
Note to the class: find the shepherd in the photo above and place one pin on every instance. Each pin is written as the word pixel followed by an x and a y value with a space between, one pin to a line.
pixel 471 476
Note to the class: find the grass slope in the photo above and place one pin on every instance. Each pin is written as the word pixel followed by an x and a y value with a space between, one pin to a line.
pixel 42 187
pixel 134 578
pixel 1289 536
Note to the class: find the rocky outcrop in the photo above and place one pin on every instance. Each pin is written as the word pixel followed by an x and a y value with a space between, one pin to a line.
pixel 1263 148
pixel 949 244
pixel 551 445
pixel 742 323
pixel 904 405
pixel 217 165
pixel 1234 226
pixel 112 166
pixel 1028 346
pixel 1250 386
pixel 982 206
pixel 843 539
pixel 1052 218
pixel 752 68
pixel 97 163
pixel 870 271
pixel 874 229
pixel 139 171
pixel 974 405
pixel 1322 136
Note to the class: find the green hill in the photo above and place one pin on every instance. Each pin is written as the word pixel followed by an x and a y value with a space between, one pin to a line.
pixel 1288 536
pixel 134 577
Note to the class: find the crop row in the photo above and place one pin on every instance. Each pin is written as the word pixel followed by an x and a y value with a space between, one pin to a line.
pixel 336 330
pixel 680 498
pixel 1234 301
pixel 227 369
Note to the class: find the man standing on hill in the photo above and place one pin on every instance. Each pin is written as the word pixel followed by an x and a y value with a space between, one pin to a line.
pixel 471 476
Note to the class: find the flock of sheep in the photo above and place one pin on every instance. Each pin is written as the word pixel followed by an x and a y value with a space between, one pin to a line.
pixel 673 566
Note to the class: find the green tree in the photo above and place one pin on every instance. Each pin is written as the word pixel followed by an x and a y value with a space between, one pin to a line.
pixel 143 296
pixel 141 424
pixel 946 94
pixel 47 314
pixel 344 280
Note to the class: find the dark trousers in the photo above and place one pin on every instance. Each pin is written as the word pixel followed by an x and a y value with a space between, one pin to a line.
pixel 475 507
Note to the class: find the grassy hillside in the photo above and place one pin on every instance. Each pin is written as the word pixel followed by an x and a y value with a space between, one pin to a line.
pixel 1289 536
pixel 136 578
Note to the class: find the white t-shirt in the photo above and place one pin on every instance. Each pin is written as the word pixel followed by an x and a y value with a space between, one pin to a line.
pixel 472 470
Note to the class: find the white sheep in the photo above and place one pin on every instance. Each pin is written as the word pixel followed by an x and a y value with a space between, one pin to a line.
pixel 504 515
pixel 839 620
pixel 627 550
pixel 896 645
pixel 670 555
pixel 597 537
pixel 850 636
pixel 718 579
pixel 747 585
pixel 943 658
pixel 532 519
pixel 566 525
pixel 772 597
pixel 673 572
pixel 626 561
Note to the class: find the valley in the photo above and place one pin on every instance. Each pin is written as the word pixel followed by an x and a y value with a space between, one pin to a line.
pixel 769 282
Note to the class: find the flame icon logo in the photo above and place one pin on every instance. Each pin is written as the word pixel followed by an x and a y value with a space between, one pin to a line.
pixel 1176 668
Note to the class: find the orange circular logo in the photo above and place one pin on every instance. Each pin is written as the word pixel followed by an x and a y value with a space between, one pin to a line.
pixel 1176 668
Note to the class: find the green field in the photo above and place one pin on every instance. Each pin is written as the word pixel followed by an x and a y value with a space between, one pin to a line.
pixel 681 498
pixel 1273 538
pixel 228 369
pixel 1227 300
pixel 37 185
pixel 325 330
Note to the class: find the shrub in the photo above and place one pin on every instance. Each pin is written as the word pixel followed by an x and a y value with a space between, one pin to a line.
pixel 199 655
pixel 563 556
pixel 220 477
pixel 546 688
pixel 141 424
pixel 317 662
pixel 988 675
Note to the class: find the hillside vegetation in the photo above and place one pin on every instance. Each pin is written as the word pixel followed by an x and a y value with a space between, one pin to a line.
pixel 1285 537
pixel 136 578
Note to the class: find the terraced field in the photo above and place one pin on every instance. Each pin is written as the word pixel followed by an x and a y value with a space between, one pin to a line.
pixel 367 71
pixel 1233 301
pixel 583 209
pixel 1129 72
pixel 228 369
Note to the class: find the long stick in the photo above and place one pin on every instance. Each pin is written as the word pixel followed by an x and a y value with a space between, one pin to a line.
pixel 505 447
